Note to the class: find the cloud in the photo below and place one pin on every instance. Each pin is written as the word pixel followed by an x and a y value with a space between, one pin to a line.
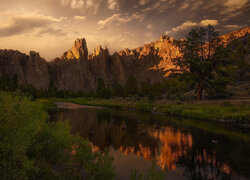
pixel 112 4
pixel 190 24
pixel 20 23
pixel 149 26
pixel 74 4
pixel 143 2
pixel 190 5
pixel 231 27
pixel 184 5
pixel 186 25
pixel 233 5
pixel 77 4
pixel 49 30
pixel 118 19
pixel 206 22
pixel 234 26
pixel 89 3
pixel 160 6
pixel 80 18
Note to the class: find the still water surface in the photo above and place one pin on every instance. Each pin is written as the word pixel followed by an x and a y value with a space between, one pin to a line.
pixel 182 148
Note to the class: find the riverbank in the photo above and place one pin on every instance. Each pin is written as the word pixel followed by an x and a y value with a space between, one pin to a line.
pixel 223 113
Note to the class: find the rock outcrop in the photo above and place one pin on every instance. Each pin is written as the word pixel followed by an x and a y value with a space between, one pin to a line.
pixel 78 71
pixel 31 70
pixel 78 51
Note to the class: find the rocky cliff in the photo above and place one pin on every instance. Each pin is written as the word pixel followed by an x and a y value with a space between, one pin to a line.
pixel 77 70
pixel 30 69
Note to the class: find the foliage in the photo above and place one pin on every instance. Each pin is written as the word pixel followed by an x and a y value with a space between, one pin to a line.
pixel 102 90
pixel 198 56
pixel 117 89
pixel 33 148
pixel 206 65
pixel 226 114
pixel 131 86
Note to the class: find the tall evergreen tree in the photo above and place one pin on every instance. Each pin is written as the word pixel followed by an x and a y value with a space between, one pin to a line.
pixel 198 56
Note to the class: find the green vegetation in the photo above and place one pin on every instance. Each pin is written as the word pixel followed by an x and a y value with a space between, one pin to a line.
pixel 220 113
pixel 207 68
pixel 205 59
pixel 224 113
pixel 32 147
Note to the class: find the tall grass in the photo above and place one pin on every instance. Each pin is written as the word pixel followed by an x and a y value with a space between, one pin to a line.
pixel 220 113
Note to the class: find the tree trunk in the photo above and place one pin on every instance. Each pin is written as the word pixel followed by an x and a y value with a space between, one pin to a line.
pixel 200 91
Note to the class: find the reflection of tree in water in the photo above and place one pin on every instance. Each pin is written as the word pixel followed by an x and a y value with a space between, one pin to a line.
pixel 169 146
pixel 201 162
pixel 199 165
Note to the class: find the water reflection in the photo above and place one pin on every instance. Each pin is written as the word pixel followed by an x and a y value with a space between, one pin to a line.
pixel 183 153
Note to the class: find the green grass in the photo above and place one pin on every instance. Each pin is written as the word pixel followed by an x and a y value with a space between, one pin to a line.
pixel 219 113
pixel 226 113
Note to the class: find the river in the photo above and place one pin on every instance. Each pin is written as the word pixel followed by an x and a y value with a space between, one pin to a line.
pixel 183 149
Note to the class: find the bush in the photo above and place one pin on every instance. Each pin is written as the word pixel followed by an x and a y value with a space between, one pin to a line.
pixel 33 148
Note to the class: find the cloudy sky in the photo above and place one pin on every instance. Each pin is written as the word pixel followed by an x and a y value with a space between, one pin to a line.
pixel 51 26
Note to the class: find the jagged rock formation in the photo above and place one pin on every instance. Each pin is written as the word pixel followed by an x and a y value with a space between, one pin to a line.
pixel 78 51
pixel 78 71
pixel 30 69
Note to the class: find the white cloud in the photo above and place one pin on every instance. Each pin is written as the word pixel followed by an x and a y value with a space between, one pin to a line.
pixel 191 5
pixel 143 2
pixel 89 3
pixel 80 18
pixel 234 5
pixel 118 18
pixel 20 23
pixel 160 6
pixel 112 4
pixel 206 22
pixel 77 4
pixel 190 24
pixel 232 27
pixel 186 25
pixel 185 5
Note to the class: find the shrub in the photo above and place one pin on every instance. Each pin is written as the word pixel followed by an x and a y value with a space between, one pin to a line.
pixel 33 148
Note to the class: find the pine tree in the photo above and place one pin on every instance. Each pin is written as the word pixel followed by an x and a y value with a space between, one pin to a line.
pixel 198 49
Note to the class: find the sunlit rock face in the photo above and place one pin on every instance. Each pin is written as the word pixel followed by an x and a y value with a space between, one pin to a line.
pixel 227 38
pixel 78 71
pixel 78 51
pixel 152 61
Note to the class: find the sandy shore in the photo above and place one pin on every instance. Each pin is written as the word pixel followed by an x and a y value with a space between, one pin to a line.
pixel 69 105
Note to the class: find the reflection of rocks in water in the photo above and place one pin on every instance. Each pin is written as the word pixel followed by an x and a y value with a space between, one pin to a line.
pixel 138 138
pixel 173 146
pixel 127 134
